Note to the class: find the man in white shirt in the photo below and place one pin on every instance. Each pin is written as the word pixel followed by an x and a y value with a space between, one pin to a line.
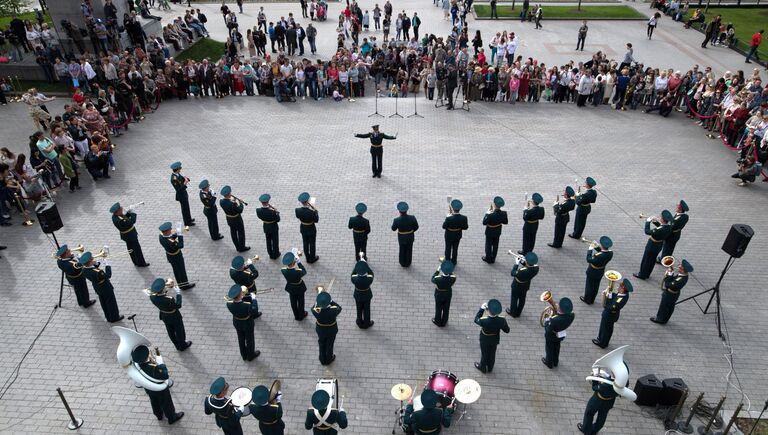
pixel 511 48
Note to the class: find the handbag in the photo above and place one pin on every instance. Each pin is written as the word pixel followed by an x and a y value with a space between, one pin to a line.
pixel 75 82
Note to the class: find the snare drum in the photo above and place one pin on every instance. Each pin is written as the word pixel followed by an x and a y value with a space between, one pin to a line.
pixel 242 397
pixel 443 383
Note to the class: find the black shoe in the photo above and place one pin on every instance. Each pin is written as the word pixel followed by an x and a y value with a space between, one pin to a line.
pixel 653 319
pixel 638 276
pixel 303 316
pixel 477 366
pixel 254 356
pixel 333 358
pixel 572 236
pixel 191 224
pixel 369 324
pixel 435 322
pixel 520 251
pixel 373 176
pixel 585 301
pixel 143 265
pixel 186 346
pixel 597 343
pixel 188 286
pixel 218 237
pixel 485 259
pixel 257 315
pixel 247 248
pixel 313 260
pixel 580 427
pixel 176 417
pixel 159 417
pixel 551 245
pixel 508 311
pixel 3 247
pixel 544 360
pixel 89 303
pixel 117 320
pixel 746 61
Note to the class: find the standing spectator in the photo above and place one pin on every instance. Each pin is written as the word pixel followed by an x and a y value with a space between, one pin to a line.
pixel 712 29
pixel 628 58
pixel 18 28
pixel 652 23
pixel 582 35
pixel 586 84
pixel 537 17
pixel 377 17
pixel 224 12
pixel 240 5
pixel 524 12
pixel 416 22
pixel 757 39
pixel 304 8
pixel 311 35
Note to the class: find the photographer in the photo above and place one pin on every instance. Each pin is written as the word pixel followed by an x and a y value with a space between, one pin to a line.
pixel 748 169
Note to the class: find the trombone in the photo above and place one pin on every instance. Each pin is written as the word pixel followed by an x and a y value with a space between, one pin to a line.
pixel 104 253
pixel 244 292
pixel 320 288
pixel 79 248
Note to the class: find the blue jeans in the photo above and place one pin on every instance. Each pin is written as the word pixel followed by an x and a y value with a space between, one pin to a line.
pixel 16 53
pixel 313 89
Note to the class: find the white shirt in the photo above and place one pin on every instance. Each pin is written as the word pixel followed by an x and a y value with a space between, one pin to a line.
pixel 89 72
pixel 512 46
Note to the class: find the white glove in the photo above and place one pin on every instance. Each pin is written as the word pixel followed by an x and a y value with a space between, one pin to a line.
pixel 241 408
pixel 177 290
pixel 159 359
pixel 484 306
pixel 106 262
pixel 279 397
pixel 248 262
pixel 178 229
pixel 126 210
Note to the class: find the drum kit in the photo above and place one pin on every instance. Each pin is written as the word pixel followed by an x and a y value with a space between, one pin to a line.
pixel 448 388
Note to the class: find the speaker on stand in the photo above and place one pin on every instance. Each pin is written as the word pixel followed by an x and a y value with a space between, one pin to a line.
pixel 50 222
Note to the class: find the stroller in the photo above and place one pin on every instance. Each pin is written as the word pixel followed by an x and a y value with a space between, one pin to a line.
pixel 322 11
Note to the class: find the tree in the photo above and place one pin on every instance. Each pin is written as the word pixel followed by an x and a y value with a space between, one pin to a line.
pixel 11 7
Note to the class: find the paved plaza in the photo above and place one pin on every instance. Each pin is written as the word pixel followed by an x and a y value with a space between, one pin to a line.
pixel 642 163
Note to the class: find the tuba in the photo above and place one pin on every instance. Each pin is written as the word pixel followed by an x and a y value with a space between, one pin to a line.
pixel 613 277
pixel 613 362
pixel 130 340
pixel 549 311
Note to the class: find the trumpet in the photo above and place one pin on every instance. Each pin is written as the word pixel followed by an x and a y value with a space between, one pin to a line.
pixel 517 256
pixel 550 311
pixel 251 260
pixel 592 243
pixel 79 248
pixel 311 203
pixel 269 206
pixel 132 206
pixel 320 288
pixel 104 253
pixel 244 292
pixel 649 217
pixel 169 284
pixel 238 200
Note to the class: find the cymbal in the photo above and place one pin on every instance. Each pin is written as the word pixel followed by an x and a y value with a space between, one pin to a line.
pixel 402 392
pixel 467 391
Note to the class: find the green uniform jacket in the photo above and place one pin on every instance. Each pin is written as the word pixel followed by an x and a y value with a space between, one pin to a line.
pixel 493 222
pixel 308 218
pixel 679 222
pixel 269 218
pixel 178 183
pixel 230 208
pixel 557 323
pixel 427 421
pixel 443 285
pixel 72 269
pixel 604 396
pixel 587 198
pixel 597 261
pixel 405 225
pixel 293 278
pixel 172 245
pixel 227 416
pixel 522 277
pixel 562 211
pixel 658 234
pixel 243 313
pixel 168 305
pixel 674 283
pixel 454 225
pixel 99 278
pixel 376 138
pixel 359 224
pixel 157 371
pixel 325 319
pixel 614 305
pixel 209 203
pixel 532 216
pixel 269 417
pixel 335 417
pixel 362 285
pixel 246 277
pixel 490 327
pixel 126 225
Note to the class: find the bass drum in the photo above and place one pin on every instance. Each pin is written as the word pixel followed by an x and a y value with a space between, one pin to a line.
pixel 443 383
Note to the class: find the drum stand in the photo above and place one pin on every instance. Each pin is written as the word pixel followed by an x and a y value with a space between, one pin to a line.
pixel 463 413
pixel 399 417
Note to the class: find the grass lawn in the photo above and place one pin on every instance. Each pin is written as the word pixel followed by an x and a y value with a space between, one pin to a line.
pixel 565 12
pixel 203 48
pixel 746 22
pixel 6 20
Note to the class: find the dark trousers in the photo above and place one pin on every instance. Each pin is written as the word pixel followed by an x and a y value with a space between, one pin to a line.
pixel 592 285
pixel 580 42
pixel 213 225
pixel 588 426
pixel 363 305
pixel 669 245
pixel 529 237
pixel 185 213
pixel 162 404
pixel 606 330
pixel 81 290
pixel 361 244
pixel 442 309
pixel 376 156
pixel 137 257
pixel 552 349
pixel 325 344
pixel 109 305
pixel 308 241
pixel 652 249
pixel 406 253
pixel 517 302
pixel 487 356
pixel 179 269
pixel 237 232
pixel 452 250
pixel 667 306
pixel 580 222
pixel 245 339
pixel 273 244
pixel 491 248
pixel 449 94
pixel 560 227
pixel 176 332
pixel 297 305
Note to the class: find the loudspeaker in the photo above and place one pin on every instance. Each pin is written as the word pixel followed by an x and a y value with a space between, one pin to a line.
pixel 737 240
pixel 48 216
pixel 674 388
pixel 648 389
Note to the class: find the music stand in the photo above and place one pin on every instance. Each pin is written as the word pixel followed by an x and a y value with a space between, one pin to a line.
pixel 396 115
pixel 415 111
pixel 715 296
pixel 376 113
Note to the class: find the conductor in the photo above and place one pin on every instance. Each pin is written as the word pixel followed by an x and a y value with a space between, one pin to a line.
pixel 377 149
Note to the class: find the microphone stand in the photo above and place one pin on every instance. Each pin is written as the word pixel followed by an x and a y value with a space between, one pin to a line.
pixel 415 111
pixel 396 114
pixel 376 113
